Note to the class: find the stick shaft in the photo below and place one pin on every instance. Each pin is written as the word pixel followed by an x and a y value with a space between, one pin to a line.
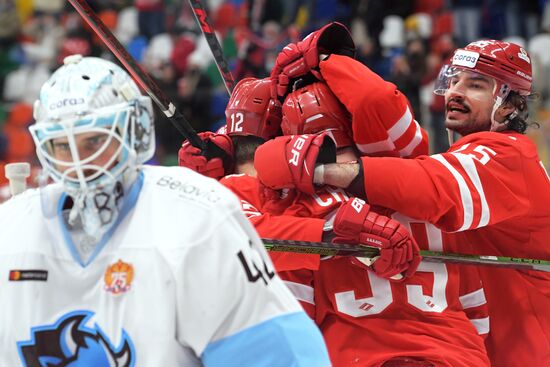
pixel 330 249
pixel 140 76
pixel 206 28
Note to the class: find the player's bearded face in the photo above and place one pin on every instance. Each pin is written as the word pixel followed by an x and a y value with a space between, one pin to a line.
pixel 97 149
pixel 469 102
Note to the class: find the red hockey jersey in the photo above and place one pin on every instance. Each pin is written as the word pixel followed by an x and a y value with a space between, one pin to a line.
pixel 365 319
pixel 492 190
pixel 270 221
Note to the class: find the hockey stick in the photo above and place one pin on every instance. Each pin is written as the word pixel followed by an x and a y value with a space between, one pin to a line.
pixel 330 249
pixel 213 43
pixel 152 89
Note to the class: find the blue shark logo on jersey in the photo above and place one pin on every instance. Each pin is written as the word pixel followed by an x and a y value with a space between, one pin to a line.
pixel 69 342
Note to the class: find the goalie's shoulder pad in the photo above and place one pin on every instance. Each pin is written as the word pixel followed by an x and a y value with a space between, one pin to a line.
pixel 181 209
pixel 20 218
pixel 21 204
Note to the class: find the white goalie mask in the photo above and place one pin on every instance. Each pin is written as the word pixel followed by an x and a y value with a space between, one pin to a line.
pixel 93 130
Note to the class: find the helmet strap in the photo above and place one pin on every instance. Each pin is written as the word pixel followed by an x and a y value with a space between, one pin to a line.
pixel 450 136
pixel 495 125
pixel 501 92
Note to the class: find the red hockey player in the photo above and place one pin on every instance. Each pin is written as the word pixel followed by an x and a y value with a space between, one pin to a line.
pixel 490 187
pixel 435 326
pixel 425 320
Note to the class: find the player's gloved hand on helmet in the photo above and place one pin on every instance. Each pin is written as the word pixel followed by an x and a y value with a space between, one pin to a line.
pixel 289 161
pixel 298 59
pixel 216 167
pixel 355 222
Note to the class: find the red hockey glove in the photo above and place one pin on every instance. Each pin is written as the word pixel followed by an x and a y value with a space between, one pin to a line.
pixel 298 59
pixel 289 161
pixel 218 167
pixel 399 253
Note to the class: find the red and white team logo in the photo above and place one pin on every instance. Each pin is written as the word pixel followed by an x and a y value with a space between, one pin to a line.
pixel 118 277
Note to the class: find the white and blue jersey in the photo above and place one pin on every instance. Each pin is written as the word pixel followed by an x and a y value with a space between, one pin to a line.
pixel 183 280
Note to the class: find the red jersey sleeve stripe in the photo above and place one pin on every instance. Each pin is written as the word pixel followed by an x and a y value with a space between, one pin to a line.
pixel 397 132
pixel 302 292
pixel 414 143
pixel 376 147
pixel 481 325
pixel 401 126
pixel 469 165
pixel 473 299
pixel 465 195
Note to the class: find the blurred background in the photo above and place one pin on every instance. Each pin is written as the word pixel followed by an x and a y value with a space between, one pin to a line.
pixel 405 42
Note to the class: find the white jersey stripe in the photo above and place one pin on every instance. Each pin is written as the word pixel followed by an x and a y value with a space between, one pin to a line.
pixel 250 214
pixel 469 166
pixel 474 299
pixel 481 325
pixel 435 239
pixel 249 210
pixel 462 148
pixel 465 196
pixel 376 147
pixel 401 126
pixel 417 139
pixel 544 169
pixel 301 292
pixel 394 133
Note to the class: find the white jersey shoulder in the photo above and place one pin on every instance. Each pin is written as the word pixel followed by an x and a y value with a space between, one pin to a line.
pixel 180 208
pixel 189 186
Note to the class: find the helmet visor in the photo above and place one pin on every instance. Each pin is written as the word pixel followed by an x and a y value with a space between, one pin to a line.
pixel 82 150
pixel 83 146
pixel 474 85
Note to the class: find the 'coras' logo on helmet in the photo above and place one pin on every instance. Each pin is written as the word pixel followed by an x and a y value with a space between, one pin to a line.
pixel 66 102
pixel 465 58
pixel 119 277
pixel 522 54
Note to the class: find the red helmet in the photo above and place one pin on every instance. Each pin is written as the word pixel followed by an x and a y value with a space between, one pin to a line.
pixel 314 108
pixel 507 62
pixel 251 111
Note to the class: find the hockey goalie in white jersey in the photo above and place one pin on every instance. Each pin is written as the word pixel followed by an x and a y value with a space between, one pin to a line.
pixel 119 264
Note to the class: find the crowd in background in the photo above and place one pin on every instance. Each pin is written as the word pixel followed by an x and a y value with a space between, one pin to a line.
pixel 405 42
